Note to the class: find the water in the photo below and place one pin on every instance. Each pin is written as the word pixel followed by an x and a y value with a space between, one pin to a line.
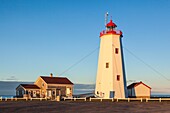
pixel 7 88
pixel 160 96
pixel 83 88
pixel 6 96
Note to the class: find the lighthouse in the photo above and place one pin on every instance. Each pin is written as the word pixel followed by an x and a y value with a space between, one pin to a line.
pixel 111 78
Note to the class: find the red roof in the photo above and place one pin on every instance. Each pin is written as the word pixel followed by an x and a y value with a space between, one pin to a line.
pixel 56 80
pixel 111 24
pixel 136 84
pixel 30 86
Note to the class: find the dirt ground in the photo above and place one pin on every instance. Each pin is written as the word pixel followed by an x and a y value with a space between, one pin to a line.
pixel 83 107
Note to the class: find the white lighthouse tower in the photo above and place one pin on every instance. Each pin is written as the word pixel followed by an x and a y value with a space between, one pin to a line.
pixel 111 79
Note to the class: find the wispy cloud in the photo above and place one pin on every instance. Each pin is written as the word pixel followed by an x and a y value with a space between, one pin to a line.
pixel 12 78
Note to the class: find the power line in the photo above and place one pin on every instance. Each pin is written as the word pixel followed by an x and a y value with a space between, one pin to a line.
pixel 149 66
pixel 79 61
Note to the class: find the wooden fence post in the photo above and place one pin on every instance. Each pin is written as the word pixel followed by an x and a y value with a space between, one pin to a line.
pixel 128 99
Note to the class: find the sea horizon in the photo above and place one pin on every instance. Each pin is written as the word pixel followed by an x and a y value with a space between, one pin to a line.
pixel 7 89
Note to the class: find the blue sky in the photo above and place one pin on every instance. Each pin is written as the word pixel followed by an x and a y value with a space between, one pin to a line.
pixel 39 37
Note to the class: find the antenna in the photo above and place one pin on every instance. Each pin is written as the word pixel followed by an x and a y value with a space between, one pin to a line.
pixel 106 17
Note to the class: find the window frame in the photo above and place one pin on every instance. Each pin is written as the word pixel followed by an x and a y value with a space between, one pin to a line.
pixel 118 77
pixel 107 64
pixel 116 50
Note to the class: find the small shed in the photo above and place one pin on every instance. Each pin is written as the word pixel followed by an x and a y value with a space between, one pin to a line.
pixel 139 90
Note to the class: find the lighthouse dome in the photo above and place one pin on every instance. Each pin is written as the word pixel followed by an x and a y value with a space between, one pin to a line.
pixel 111 24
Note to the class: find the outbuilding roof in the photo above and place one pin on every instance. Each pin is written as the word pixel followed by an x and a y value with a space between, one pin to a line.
pixel 30 86
pixel 136 84
pixel 56 80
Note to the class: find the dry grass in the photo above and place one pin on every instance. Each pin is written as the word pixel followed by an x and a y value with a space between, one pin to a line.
pixel 83 107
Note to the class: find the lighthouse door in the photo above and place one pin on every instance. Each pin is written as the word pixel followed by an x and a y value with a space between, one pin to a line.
pixel 112 94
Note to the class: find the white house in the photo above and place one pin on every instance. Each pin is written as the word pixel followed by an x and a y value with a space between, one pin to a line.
pixel 139 90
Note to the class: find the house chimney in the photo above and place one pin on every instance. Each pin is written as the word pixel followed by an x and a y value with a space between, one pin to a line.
pixel 51 75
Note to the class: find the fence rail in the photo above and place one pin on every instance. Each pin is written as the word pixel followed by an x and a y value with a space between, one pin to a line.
pixel 91 99
pixel 120 99
pixel 23 99
pixel 75 99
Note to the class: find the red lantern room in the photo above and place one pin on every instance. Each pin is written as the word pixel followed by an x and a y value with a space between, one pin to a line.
pixel 111 29
pixel 111 24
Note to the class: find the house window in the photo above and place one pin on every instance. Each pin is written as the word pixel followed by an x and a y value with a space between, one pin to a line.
pixel 38 92
pixel 26 92
pixel 23 92
pixel 43 84
pixel 68 91
pixel 49 93
pixel 34 92
pixel 53 92
pixel 107 65
pixel 17 93
pixel 118 77
pixel 116 50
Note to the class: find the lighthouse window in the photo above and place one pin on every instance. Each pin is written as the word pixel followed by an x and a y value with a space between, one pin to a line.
pixel 107 65
pixel 118 77
pixel 116 50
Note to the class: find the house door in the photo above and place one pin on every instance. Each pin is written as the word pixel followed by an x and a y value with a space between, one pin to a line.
pixel 53 94
pixel 58 92
pixel 34 93
pixel 68 91
pixel 49 93
pixel 112 94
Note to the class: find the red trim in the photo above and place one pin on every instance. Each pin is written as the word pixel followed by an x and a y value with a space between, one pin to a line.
pixel 115 32
pixel 136 84
pixel 143 84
